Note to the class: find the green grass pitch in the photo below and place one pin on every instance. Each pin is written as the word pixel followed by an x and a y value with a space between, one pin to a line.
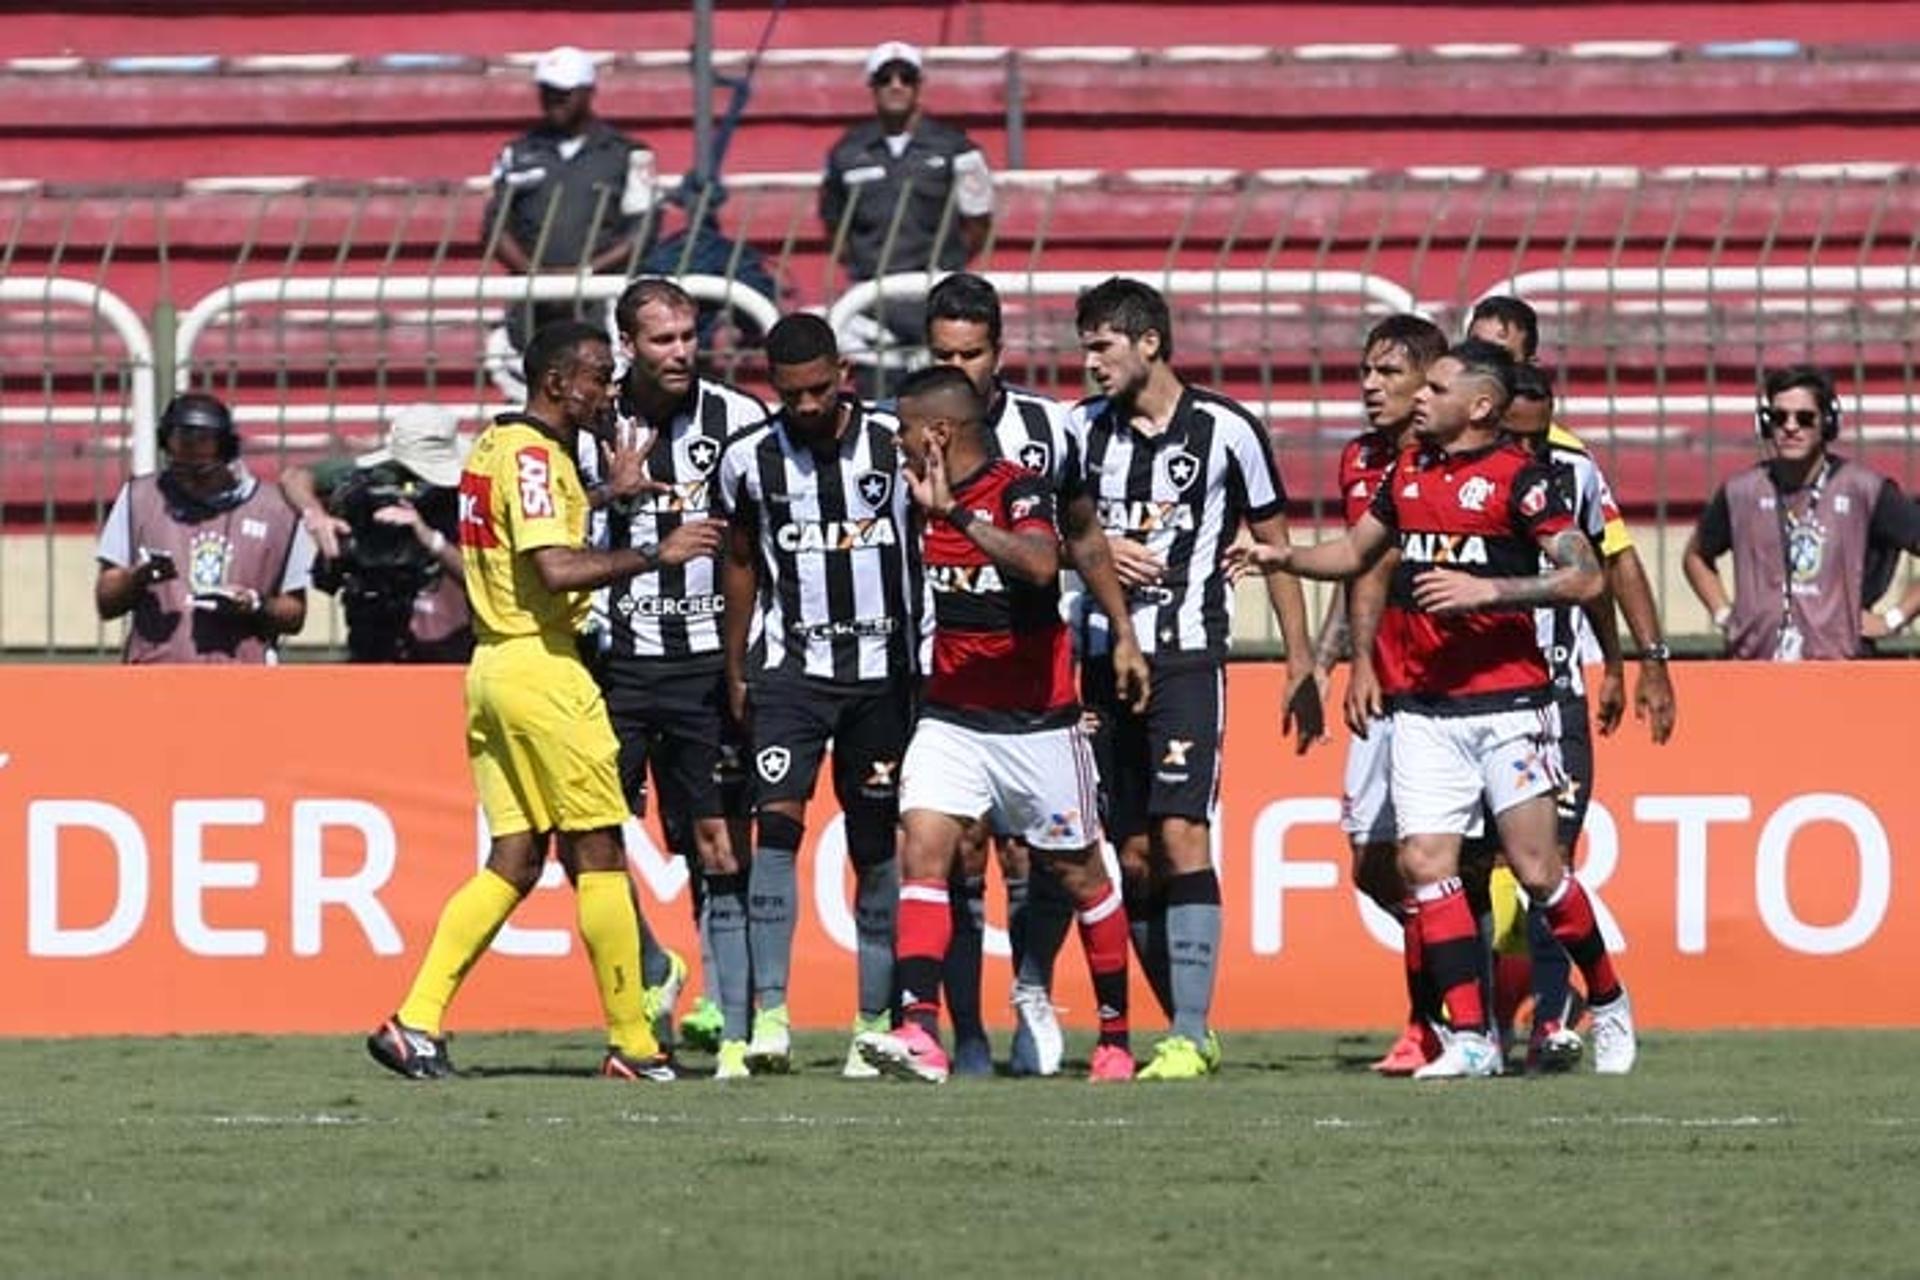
pixel 1753 1154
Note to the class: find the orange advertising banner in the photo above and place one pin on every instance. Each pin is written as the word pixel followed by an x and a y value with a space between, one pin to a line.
pixel 200 850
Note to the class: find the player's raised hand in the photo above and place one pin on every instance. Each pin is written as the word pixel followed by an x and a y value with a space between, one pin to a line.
pixel 1364 703
pixel 931 488
pixel 623 460
pixel 1134 565
pixel 1451 591
pixel 693 540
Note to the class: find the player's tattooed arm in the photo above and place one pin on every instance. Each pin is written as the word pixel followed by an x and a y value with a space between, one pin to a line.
pixel 1575 579
pixel 1031 557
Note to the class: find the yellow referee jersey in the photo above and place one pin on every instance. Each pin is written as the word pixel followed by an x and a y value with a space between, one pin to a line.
pixel 520 491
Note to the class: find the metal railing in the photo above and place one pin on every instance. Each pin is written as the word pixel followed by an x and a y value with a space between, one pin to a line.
pixel 320 308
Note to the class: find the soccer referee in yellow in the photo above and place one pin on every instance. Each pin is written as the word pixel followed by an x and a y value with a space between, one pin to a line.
pixel 543 752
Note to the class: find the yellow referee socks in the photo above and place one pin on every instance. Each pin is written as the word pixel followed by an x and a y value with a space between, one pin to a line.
pixel 611 929
pixel 467 924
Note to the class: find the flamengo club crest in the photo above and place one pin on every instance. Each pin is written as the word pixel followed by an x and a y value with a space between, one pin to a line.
pixel 1181 467
pixel 873 488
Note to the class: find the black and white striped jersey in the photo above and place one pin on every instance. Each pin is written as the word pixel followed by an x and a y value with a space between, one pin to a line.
pixel 839 575
pixel 1566 637
pixel 1033 430
pixel 673 612
pixel 1183 493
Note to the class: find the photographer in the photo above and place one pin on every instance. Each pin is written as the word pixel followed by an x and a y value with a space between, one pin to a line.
pixel 387 526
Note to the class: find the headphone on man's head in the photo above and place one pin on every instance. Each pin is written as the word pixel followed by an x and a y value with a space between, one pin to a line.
pixel 1809 378
pixel 197 411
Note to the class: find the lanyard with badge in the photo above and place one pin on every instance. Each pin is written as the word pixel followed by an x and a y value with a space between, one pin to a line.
pixel 1799 547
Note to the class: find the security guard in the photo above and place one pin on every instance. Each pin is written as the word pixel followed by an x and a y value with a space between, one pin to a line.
pixel 572 189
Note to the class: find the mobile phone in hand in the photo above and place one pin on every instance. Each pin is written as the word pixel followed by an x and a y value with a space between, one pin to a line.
pixel 164 569
pixel 218 599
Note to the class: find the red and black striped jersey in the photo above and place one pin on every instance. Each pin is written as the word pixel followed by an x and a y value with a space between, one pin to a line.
pixel 1002 660
pixel 1362 463
pixel 1482 512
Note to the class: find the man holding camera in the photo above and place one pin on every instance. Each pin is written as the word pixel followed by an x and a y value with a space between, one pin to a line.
pixel 212 564
pixel 387 525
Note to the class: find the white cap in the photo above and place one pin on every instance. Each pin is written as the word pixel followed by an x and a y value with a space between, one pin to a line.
pixel 892 51
pixel 564 68
pixel 425 439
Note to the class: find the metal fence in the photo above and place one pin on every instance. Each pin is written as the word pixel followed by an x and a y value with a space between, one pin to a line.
pixel 319 309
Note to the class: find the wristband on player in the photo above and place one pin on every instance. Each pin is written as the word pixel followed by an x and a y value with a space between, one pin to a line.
pixel 1722 616
pixel 1656 652
pixel 959 517
pixel 1895 617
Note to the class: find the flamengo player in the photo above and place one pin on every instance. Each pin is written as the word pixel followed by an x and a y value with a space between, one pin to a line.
pixel 999 731
pixel 1393 368
pixel 1473 711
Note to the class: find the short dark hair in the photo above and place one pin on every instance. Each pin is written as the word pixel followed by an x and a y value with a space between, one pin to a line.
pixel 943 380
pixel 966 296
pixel 801 338
pixel 1422 339
pixel 1126 306
pixel 1513 313
pixel 1805 376
pixel 648 289
pixel 1532 382
pixel 1482 359
pixel 555 346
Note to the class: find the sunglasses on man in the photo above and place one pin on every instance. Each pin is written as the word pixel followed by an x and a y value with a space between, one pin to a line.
pixel 1804 419
pixel 904 72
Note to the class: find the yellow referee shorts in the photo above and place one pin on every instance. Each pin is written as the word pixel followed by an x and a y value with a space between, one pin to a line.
pixel 542 749
pixel 1509 913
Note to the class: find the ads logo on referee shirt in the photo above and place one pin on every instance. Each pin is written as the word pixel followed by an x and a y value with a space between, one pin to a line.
pixel 873 488
pixel 536 483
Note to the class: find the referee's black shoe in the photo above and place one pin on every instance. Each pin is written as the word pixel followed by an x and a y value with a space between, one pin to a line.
pixel 409 1052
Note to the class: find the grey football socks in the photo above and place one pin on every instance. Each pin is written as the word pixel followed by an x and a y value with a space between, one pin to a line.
pixel 1193 949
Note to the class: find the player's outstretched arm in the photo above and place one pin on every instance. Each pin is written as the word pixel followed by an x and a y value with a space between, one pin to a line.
pixel 1334 560
pixel 581 569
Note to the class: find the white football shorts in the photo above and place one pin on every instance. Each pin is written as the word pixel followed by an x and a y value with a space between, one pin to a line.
pixel 1446 767
pixel 1040 786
